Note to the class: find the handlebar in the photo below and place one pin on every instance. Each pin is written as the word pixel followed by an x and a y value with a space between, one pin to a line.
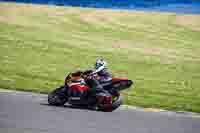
pixel 89 74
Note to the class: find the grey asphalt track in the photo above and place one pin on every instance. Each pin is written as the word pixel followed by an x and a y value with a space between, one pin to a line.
pixel 22 112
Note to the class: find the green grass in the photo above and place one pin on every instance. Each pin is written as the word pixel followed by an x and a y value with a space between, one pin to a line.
pixel 40 45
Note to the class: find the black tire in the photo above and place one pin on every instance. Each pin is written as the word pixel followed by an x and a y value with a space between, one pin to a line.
pixel 117 103
pixel 57 97
pixel 114 105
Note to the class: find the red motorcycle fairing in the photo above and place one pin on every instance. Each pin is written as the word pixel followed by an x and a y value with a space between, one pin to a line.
pixel 76 92
pixel 121 83
pixel 78 87
pixel 119 79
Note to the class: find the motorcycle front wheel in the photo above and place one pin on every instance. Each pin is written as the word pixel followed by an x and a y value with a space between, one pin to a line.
pixel 57 97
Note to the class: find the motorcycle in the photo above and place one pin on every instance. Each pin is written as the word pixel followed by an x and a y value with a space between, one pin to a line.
pixel 76 92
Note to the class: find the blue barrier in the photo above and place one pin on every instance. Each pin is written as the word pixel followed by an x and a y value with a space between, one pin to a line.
pixel 180 6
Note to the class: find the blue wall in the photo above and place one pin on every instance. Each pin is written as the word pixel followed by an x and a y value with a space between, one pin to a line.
pixel 182 6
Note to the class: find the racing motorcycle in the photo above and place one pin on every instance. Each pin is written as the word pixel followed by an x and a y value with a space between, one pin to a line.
pixel 76 91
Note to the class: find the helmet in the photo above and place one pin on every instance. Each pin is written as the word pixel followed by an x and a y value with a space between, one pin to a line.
pixel 100 62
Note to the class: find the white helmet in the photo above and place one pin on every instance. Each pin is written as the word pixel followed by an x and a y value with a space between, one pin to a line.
pixel 99 63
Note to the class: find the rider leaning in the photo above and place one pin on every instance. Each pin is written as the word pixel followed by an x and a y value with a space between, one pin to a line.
pixel 105 78
pixel 102 71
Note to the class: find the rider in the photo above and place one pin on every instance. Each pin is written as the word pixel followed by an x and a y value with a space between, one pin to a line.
pixel 102 71
pixel 105 78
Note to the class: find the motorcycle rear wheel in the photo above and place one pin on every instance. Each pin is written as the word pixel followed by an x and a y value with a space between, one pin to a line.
pixel 116 103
